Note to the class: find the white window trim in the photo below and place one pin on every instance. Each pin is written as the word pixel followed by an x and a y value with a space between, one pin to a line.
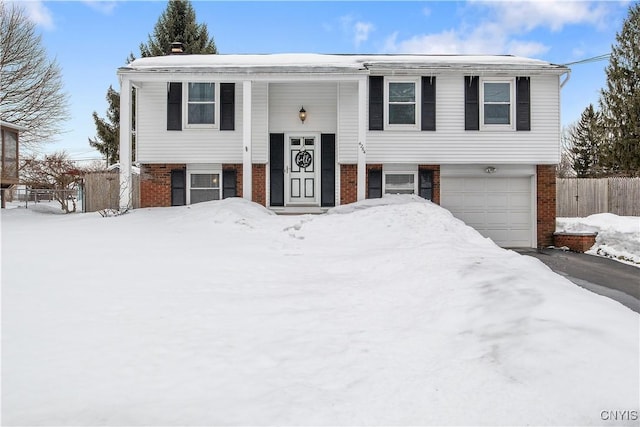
pixel 216 106
pixel 418 101
pixel 202 170
pixel 405 170
pixel 512 107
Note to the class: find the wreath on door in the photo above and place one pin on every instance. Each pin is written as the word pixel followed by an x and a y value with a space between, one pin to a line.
pixel 303 159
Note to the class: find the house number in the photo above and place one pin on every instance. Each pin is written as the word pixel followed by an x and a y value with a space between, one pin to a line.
pixel 303 159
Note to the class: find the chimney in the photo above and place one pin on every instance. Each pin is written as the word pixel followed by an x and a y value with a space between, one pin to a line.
pixel 176 48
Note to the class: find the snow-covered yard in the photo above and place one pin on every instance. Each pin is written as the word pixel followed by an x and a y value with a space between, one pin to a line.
pixel 618 236
pixel 383 312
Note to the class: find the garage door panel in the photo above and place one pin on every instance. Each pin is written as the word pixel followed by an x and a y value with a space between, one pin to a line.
pixel 499 208
pixel 497 201
pixel 498 185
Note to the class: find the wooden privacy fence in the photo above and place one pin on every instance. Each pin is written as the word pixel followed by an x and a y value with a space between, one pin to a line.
pixel 580 197
pixel 102 191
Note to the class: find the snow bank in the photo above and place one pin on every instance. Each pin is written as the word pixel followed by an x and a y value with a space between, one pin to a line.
pixel 618 236
pixel 382 313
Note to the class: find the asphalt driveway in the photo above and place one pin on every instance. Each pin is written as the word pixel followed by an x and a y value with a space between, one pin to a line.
pixel 613 279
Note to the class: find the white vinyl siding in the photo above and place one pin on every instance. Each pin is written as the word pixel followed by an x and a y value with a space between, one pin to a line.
pixel 259 122
pixel 318 98
pixel 347 137
pixel 157 145
pixel 450 143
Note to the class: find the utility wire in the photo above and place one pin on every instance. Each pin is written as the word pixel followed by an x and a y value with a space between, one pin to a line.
pixel 598 58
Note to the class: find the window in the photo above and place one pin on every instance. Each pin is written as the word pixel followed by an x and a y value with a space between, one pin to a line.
pixel 402 103
pixel 204 187
pixel 497 103
pixel 399 183
pixel 201 101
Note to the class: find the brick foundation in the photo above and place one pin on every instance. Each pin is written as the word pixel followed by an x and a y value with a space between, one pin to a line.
pixel 155 184
pixel 546 204
pixel 259 184
pixel 436 180
pixel 348 184
pixel 577 242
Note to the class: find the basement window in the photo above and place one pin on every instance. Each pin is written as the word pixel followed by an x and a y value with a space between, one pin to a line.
pixel 204 187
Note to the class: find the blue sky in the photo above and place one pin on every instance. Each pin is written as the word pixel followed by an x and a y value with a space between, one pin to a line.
pixel 91 39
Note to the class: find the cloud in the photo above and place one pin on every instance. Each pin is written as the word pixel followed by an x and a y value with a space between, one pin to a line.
pixel 38 13
pixel 362 30
pixel 104 7
pixel 359 30
pixel 501 28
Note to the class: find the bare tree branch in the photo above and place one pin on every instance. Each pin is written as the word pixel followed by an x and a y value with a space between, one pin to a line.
pixel 31 89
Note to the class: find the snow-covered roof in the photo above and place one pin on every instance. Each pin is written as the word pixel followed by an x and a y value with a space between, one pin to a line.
pixel 318 63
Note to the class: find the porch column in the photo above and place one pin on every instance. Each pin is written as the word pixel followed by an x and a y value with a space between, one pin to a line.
pixel 246 140
pixel 362 138
pixel 126 187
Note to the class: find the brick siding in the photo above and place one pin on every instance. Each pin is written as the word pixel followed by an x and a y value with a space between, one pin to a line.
pixel 155 184
pixel 546 203
pixel 259 184
pixel 348 184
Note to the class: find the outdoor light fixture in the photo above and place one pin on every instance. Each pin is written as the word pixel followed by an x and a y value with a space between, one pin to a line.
pixel 490 169
pixel 302 114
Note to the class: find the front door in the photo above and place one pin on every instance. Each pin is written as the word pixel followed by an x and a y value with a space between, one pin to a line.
pixel 302 167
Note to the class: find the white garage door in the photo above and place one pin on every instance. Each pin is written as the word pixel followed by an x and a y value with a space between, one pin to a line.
pixel 499 208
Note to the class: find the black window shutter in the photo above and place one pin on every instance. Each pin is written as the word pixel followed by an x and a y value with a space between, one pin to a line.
pixel 523 103
pixel 428 103
pixel 471 103
pixel 178 187
pixel 276 168
pixel 376 102
pixel 228 183
pixel 227 106
pixel 374 184
pixel 425 188
pixel 174 106
pixel 328 169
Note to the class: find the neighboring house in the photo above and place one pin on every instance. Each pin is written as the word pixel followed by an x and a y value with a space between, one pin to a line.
pixel 480 135
pixel 9 157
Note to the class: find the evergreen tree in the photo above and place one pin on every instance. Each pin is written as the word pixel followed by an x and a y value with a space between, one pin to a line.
pixel 108 130
pixel 177 23
pixel 620 100
pixel 586 139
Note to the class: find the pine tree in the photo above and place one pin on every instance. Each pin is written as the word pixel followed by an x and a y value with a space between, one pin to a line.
pixel 177 23
pixel 620 100
pixel 108 131
pixel 586 139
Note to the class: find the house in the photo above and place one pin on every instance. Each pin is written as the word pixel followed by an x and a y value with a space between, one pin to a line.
pixel 480 135
pixel 9 157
